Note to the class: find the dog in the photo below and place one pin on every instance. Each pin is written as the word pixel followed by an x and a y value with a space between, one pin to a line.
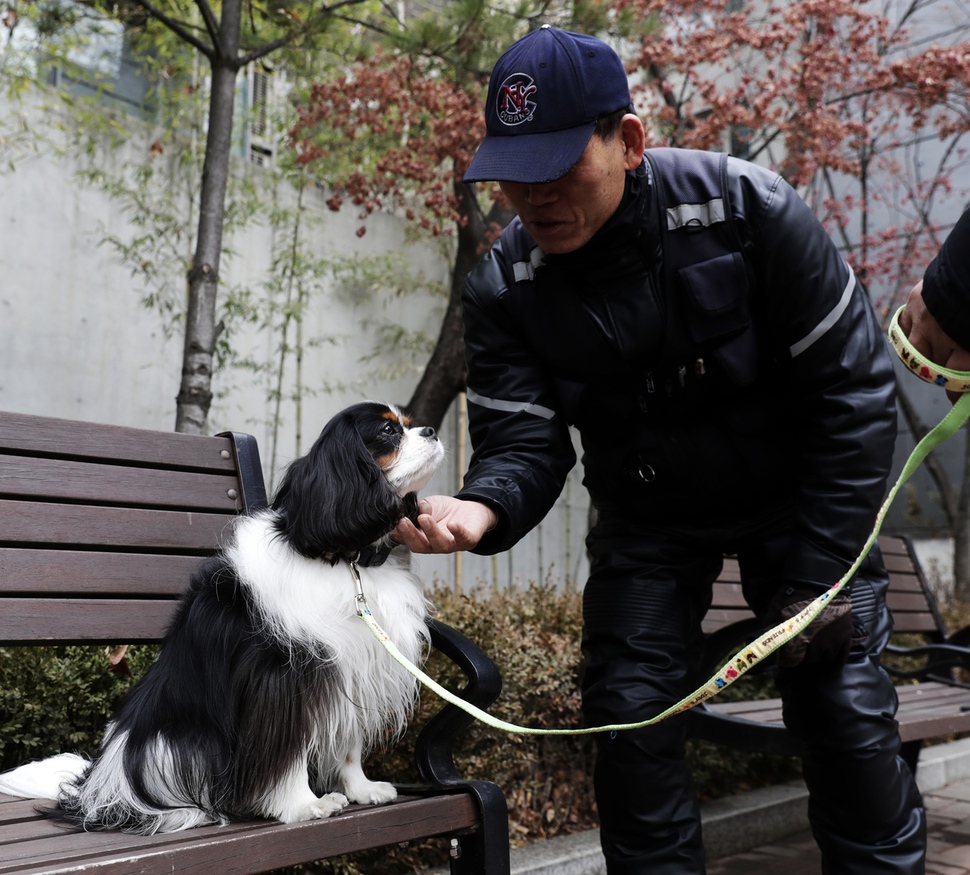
pixel 268 689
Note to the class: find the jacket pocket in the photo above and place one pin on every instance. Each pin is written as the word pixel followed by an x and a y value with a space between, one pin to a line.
pixel 716 291
pixel 718 318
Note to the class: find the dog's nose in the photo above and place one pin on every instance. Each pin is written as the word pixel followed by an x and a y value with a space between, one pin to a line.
pixel 428 432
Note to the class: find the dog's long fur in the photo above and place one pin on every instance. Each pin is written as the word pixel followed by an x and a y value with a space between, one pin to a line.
pixel 268 689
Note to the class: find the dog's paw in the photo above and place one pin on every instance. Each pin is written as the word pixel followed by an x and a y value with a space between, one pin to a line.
pixel 331 803
pixel 372 793
pixel 325 806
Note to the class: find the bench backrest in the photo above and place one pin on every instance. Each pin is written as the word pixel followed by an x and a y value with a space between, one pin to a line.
pixel 912 603
pixel 101 526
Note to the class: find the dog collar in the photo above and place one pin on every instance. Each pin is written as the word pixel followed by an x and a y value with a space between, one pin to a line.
pixel 372 556
pixel 367 557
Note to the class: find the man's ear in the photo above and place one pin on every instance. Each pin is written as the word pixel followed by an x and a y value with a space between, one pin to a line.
pixel 634 140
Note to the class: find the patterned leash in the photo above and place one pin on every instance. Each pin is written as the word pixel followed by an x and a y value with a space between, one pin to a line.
pixel 778 636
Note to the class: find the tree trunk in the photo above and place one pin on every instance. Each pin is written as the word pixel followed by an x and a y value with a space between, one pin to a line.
pixel 444 375
pixel 201 330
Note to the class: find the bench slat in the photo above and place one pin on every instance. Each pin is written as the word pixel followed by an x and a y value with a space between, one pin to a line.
pixel 76 621
pixel 72 525
pixel 906 598
pixel 116 484
pixel 240 849
pixel 922 623
pixel 89 573
pixel 926 710
pixel 65 438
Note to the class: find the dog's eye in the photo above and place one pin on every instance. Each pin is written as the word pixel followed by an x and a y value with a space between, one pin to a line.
pixel 388 429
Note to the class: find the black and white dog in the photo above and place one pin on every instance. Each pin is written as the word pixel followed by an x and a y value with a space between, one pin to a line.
pixel 269 689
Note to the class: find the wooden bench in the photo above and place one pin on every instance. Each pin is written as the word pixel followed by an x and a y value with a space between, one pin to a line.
pixel 932 702
pixel 100 527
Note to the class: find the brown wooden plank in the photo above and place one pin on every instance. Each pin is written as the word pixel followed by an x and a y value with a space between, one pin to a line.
pixel 241 849
pixel 70 525
pixel 90 573
pixel 925 710
pixel 39 828
pixel 23 477
pixel 14 810
pixel 73 621
pixel 911 602
pixel 717 619
pixel 936 727
pixel 728 595
pixel 66 438
pixel 931 694
pixel 922 622
pixel 895 545
pixel 901 582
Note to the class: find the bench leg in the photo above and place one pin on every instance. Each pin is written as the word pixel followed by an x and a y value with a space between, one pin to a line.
pixel 486 850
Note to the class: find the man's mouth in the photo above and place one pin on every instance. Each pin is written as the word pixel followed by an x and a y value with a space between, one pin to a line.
pixel 548 226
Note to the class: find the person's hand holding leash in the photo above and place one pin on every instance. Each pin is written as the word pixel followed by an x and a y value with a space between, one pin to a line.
pixel 925 333
pixel 826 640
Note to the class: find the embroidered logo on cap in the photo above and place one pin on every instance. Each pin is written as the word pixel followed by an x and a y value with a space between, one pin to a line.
pixel 512 102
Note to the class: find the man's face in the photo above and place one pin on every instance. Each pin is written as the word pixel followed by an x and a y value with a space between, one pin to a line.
pixel 563 215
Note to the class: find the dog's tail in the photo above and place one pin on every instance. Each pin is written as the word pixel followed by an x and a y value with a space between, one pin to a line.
pixel 43 779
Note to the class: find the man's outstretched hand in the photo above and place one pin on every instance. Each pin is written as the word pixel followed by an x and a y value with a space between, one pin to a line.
pixel 445 525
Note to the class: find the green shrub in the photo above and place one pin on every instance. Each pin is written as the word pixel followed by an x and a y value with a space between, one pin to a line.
pixel 58 699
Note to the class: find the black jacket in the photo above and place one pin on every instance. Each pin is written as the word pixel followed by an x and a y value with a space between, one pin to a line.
pixel 597 339
pixel 946 283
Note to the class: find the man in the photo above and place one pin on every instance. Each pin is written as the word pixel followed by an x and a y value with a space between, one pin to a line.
pixel 937 314
pixel 733 393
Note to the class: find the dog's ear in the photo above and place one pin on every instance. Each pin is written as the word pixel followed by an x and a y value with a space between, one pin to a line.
pixel 411 507
pixel 336 499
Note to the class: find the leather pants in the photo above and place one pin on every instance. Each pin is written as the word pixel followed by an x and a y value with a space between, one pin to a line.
pixel 648 590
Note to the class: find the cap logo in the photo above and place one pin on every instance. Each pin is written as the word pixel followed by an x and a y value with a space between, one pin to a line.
pixel 512 102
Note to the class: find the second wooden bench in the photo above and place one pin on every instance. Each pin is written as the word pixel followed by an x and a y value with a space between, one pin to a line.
pixel 933 701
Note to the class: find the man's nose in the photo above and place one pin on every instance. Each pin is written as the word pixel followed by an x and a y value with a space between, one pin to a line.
pixel 541 194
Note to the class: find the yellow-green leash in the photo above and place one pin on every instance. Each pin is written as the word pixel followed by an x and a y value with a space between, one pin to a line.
pixel 778 636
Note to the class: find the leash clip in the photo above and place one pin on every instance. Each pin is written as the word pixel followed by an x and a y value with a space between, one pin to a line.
pixel 360 598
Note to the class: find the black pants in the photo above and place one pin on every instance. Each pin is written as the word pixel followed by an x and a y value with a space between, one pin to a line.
pixel 648 590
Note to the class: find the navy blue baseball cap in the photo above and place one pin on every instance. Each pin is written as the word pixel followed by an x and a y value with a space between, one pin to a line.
pixel 545 95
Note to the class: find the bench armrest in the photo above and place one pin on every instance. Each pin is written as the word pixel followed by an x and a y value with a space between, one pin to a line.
pixel 487 850
pixel 433 750
pixel 960 638
pixel 941 660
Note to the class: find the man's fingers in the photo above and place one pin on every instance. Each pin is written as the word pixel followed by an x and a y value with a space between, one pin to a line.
pixel 440 538
pixel 445 525
pixel 413 538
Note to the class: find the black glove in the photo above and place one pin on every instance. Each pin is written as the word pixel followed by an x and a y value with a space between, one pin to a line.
pixel 826 640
